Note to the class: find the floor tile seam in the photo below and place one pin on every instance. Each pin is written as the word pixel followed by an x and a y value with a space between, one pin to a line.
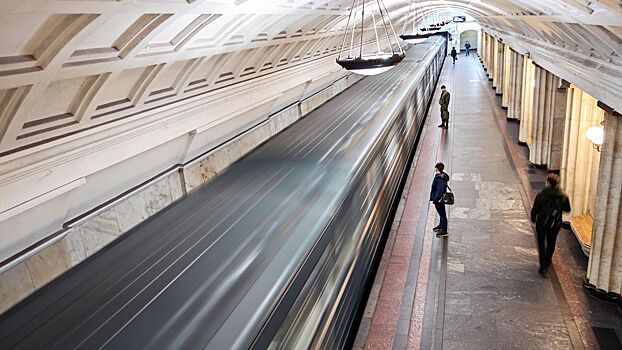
pixel 430 140
pixel 421 151
pixel 430 261
pixel 415 334
pixel 447 153
pixel 416 191
pixel 586 337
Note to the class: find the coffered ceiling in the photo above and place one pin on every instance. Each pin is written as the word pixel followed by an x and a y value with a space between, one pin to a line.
pixel 71 68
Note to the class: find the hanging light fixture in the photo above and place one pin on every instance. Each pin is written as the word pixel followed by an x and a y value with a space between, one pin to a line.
pixel 373 63
pixel 415 37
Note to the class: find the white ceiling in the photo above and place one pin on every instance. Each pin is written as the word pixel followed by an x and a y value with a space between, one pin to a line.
pixel 70 67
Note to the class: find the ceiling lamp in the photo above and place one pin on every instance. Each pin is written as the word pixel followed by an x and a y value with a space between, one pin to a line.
pixel 415 37
pixel 370 63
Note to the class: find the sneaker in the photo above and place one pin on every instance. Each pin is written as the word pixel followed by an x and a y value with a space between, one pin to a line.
pixel 441 126
pixel 442 234
pixel 437 228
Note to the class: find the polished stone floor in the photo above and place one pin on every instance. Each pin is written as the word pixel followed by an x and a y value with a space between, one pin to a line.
pixel 478 288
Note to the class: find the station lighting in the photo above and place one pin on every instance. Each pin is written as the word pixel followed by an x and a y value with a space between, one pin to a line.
pixel 596 134
pixel 415 37
pixel 370 63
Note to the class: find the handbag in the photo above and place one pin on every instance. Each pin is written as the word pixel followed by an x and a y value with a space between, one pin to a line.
pixel 448 197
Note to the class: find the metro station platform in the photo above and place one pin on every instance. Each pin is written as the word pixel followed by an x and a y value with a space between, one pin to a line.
pixel 479 287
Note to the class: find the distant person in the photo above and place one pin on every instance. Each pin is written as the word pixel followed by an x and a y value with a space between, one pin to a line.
pixel 444 102
pixel 467 47
pixel 546 213
pixel 454 54
pixel 439 188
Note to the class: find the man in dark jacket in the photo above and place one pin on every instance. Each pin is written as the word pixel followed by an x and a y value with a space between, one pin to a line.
pixel 454 54
pixel 546 213
pixel 439 187
pixel 467 47
pixel 444 102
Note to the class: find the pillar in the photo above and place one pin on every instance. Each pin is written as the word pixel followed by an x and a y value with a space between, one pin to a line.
pixel 514 109
pixel 527 101
pixel 580 161
pixel 542 122
pixel 499 67
pixel 486 57
pixel 481 44
pixel 559 121
pixel 605 265
pixel 491 54
pixel 508 69
pixel 494 57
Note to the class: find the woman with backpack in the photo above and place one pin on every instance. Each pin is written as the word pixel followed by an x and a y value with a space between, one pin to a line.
pixel 546 213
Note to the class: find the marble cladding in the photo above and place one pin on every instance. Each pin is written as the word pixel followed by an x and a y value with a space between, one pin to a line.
pixel 316 100
pixel 605 264
pixel 85 239
pixel 214 163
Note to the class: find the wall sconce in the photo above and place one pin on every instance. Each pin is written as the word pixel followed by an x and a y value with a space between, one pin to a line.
pixel 596 135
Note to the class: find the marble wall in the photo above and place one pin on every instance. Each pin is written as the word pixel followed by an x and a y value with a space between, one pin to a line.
pixel 580 161
pixel 515 85
pixel 605 266
pixel 554 118
pixel 508 70
pixel 83 239
pixel 527 100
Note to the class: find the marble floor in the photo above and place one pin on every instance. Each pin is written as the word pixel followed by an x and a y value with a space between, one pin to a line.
pixel 479 287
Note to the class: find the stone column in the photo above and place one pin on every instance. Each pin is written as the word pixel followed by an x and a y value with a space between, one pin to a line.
pixel 508 82
pixel 559 121
pixel 489 56
pixel 605 266
pixel 480 46
pixel 527 101
pixel 500 60
pixel 579 167
pixel 539 126
pixel 495 62
pixel 542 126
pixel 514 110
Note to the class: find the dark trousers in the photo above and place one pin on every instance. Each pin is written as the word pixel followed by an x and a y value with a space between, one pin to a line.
pixel 454 57
pixel 546 246
pixel 440 209
pixel 467 51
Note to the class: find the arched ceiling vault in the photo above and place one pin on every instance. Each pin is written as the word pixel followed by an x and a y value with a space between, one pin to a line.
pixel 69 67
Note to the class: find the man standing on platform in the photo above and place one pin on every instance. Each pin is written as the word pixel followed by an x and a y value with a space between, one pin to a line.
pixel 444 102
pixel 546 212
pixel 467 47
pixel 439 188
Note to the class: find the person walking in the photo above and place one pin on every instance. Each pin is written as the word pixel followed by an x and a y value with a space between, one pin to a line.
pixel 546 213
pixel 467 47
pixel 444 102
pixel 454 54
pixel 439 188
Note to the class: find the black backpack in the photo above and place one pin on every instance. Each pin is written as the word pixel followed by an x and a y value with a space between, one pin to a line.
pixel 550 217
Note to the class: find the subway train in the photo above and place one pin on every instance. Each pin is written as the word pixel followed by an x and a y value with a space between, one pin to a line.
pixel 274 253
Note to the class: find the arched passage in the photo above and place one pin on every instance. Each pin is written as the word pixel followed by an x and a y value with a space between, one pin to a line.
pixel 470 36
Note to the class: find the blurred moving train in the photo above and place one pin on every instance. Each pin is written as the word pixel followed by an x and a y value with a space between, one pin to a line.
pixel 274 253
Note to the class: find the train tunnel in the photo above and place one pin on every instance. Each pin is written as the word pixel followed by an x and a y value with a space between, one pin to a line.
pixel 263 174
